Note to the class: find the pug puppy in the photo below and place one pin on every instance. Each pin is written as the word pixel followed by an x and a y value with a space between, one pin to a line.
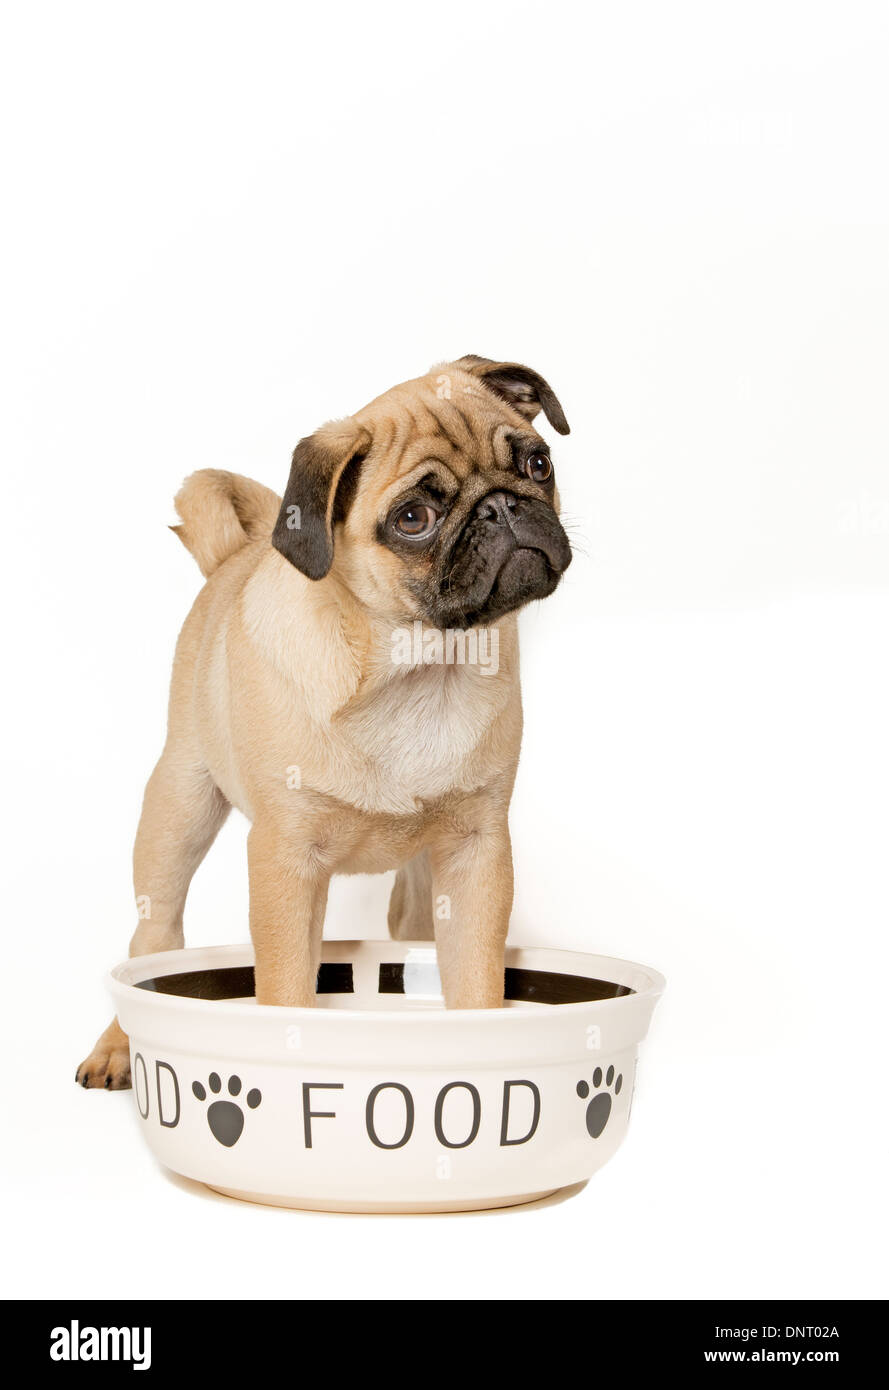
pixel 336 681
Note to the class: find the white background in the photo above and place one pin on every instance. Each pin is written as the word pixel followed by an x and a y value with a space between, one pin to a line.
pixel 227 223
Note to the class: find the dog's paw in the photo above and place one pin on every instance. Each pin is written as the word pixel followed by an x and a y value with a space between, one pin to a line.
pixel 108 1065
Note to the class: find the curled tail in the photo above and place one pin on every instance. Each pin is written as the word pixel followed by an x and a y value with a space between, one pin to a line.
pixel 220 513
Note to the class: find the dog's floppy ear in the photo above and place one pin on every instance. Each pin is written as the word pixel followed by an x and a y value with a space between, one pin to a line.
pixel 304 529
pixel 525 390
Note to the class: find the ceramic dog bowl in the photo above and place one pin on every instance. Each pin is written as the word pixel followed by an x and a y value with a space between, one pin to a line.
pixel 380 1099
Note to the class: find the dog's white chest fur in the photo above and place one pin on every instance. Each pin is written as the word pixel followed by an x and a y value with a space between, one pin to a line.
pixel 378 734
pixel 418 738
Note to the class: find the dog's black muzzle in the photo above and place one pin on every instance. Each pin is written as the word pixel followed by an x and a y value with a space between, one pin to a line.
pixel 511 550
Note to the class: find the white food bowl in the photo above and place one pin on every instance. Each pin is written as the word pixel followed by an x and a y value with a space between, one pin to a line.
pixel 380 1099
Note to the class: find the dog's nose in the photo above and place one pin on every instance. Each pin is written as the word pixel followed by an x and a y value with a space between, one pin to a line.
pixel 495 506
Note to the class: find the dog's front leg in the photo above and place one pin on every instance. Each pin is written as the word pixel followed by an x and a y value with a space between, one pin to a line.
pixel 472 900
pixel 288 898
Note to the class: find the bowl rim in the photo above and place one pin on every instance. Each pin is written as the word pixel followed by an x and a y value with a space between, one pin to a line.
pixel 124 980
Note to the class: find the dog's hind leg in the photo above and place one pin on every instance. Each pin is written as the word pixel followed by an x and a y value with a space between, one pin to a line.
pixel 181 815
pixel 410 906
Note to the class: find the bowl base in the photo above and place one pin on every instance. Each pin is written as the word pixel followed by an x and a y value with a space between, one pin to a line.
pixel 390 1208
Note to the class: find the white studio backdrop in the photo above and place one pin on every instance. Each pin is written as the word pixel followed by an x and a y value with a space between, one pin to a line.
pixel 227 223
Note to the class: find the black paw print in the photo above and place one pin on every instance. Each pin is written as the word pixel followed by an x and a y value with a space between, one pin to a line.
pixel 599 1108
pixel 225 1118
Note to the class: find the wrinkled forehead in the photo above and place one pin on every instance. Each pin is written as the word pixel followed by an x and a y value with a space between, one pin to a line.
pixel 447 417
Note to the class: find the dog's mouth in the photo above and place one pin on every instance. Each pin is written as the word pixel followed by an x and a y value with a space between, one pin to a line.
pixel 513 550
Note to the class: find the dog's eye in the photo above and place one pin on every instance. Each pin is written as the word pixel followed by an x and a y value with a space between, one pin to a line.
pixel 538 467
pixel 416 520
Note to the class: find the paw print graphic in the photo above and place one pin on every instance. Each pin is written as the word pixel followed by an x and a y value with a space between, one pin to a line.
pixel 599 1108
pixel 225 1117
